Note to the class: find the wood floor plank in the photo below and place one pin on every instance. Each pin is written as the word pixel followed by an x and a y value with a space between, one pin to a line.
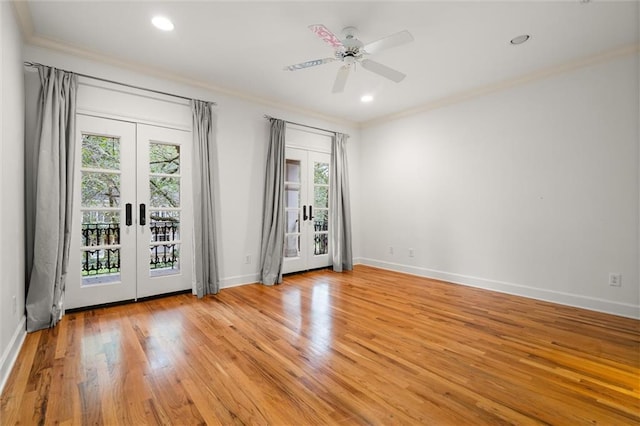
pixel 362 347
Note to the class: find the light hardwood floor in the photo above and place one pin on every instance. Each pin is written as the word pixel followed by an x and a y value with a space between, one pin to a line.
pixel 364 347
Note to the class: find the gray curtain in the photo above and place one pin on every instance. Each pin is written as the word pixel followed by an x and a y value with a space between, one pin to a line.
pixel 203 174
pixel 340 206
pixel 272 247
pixel 51 197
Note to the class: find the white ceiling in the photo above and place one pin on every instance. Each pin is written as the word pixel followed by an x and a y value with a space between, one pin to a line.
pixel 241 46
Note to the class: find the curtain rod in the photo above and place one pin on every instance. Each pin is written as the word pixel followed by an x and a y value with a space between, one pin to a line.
pixel 34 64
pixel 304 125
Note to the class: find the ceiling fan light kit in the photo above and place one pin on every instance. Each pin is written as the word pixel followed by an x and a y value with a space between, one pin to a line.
pixel 351 51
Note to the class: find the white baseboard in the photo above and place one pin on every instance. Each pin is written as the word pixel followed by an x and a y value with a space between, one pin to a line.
pixel 595 304
pixel 10 354
pixel 239 280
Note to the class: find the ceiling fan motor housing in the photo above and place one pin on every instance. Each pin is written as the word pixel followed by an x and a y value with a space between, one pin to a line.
pixel 350 51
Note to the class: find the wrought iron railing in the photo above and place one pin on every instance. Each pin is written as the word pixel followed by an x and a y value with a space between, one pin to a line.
pixel 100 261
pixel 163 256
pixel 106 260
pixel 320 241
pixel 100 234
pixel 320 244
pixel 321 225
pixel 164 231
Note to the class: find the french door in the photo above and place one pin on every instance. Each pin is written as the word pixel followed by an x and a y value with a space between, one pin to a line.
pixel 306 242
pixel 131 234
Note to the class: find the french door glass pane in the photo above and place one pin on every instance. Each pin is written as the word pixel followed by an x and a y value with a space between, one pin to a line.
pixel 164 191
pixel 320 243
pixel 100 152
pixel 292 195
pixel 100 189
pixel 292 171
pixel 164 225
pixel 100 234
pixel 164 259
pixel 101 265
pixel 100 214
pixel 321 205
pixel 100 245
pixel 320 235
pixel 321 220
pixel 292 184
pixel 164 247
pixel 292 245
pixel 321 173
pixel 321 196
pixel 164 159
pixel 293 221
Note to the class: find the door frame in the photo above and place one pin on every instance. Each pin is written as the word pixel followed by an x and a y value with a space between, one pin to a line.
pixel 135 280
pixel 306 259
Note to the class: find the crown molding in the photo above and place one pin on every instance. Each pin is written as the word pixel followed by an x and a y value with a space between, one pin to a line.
pixel 21 9
pixel 510 83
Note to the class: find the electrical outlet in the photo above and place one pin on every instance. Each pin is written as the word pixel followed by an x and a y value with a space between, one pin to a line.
pixel 14 305
pixel 247 259
pixel 390 250
pixel 411 252
pixel 615 280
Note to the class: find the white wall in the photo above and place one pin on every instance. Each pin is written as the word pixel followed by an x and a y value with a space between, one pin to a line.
pixel 531 190
pixel 242 138
pixel 12 257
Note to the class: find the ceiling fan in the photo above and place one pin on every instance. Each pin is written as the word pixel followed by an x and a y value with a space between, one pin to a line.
pixel 352 51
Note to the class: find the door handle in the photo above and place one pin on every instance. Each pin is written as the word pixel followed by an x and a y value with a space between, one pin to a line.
pixel 127 213
pixel 310 212
pixel 143 215
pixel 304 213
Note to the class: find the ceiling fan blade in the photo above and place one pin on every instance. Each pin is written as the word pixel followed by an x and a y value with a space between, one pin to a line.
pixel 388 42
pixel 341 79
pixel 326 35
pixel 308 64
pixel 382 70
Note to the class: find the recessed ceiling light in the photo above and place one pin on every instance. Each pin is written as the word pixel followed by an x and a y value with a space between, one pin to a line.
pixel 520 39
pixel 366 98
pixel 162 23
